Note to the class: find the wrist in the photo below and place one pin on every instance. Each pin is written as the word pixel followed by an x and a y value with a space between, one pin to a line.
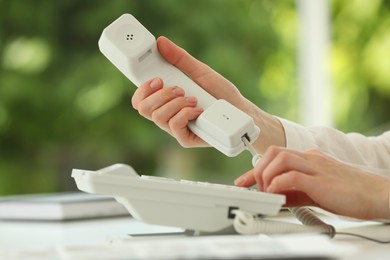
pixel 271 129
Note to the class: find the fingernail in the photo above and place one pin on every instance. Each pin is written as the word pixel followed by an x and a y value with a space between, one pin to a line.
pixel 199 110
pixel 192 100
pixel 178 92
pixel 155 83
pixel 240 181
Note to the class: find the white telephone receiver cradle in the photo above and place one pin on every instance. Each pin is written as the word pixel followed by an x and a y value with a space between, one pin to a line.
pixel 198 206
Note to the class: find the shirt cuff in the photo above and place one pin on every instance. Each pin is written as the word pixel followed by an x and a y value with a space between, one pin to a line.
pixel 297 137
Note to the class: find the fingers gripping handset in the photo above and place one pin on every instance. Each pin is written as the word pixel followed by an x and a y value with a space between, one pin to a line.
pixel 133 50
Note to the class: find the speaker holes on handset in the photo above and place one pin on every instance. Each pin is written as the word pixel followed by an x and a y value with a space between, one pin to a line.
pixel 130 37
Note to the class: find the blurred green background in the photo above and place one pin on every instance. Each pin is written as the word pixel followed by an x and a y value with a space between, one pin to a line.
pixel 64 106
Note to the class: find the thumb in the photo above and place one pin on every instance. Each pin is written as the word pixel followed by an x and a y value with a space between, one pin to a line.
pixel 180 58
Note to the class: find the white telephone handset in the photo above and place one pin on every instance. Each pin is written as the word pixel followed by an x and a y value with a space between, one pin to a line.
pixel 133 50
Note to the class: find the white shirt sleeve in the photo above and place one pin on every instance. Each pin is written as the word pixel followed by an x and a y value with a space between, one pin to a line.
pixel 357 149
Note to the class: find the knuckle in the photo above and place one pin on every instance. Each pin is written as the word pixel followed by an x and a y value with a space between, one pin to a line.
pixel 138 96
pixel 143 109
pixel 272 150
pixel 283 157
pixel 158 117
pixel 170 92
pixel 180 119
pixel 174 122
pixel 293 176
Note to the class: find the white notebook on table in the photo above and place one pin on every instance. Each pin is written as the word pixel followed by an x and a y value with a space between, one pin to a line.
pixel 59 207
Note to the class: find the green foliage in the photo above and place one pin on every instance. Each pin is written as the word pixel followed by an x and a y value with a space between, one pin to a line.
pixel 64 106
pixel 360 63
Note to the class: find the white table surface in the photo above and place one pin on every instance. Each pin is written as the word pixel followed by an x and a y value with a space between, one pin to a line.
pixel 109 239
